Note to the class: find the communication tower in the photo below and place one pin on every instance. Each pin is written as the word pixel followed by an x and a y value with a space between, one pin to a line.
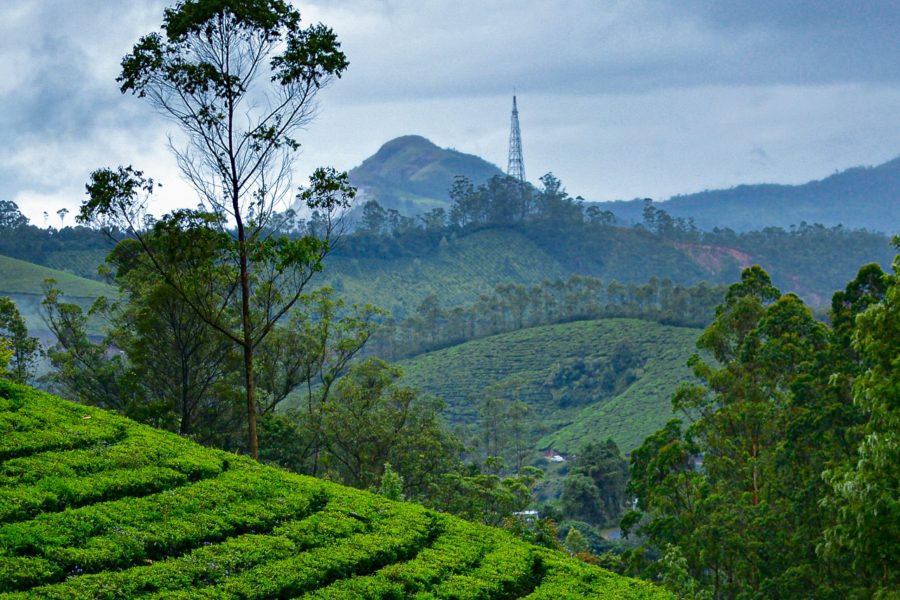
pixel 516 166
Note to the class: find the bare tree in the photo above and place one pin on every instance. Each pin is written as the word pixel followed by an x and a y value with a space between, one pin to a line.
pixel 240 78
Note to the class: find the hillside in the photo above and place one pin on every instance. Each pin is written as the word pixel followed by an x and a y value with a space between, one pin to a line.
pixel 413 175
pixel 21 277
pixel 459 267
pixel 93 505
pixel 23 282
pixel 861 197
pixel 544 366
pixel 458 271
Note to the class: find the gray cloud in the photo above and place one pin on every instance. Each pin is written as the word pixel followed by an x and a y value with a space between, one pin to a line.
pixel 406 48
pixel 620 99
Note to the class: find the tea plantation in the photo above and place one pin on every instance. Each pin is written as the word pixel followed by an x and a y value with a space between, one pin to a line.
pixel 520 365
pixel 95 506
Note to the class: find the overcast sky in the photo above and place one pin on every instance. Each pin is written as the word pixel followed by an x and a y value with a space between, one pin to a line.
pixel 618 99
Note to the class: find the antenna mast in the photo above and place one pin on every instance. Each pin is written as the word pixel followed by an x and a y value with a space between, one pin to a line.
pixel 516 166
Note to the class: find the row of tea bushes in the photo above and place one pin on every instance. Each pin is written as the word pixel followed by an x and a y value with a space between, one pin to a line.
pixel 95 506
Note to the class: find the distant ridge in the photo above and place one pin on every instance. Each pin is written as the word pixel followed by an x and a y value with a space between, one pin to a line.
pixel 860 197
pixel 413 175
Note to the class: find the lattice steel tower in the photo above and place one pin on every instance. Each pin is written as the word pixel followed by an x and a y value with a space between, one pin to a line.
pixel 516 166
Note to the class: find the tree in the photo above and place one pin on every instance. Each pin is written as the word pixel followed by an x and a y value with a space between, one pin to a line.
pixel 240 78
pixel 374 218
pixel 308 355
pixel 738 491
pixel 391 486
pixel 62 213
pixel 313 349
pixel 594 489
pixel 83 370
pixel 575 541
pixel 865 493
pixel 370 420
pixel 10 215
pixel 26 350
pixel 181 365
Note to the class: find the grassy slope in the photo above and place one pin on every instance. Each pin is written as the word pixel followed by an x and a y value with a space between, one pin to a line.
pixel 458 273
pixel 517 364
pixel 93 505
pixel 20 277
pixel 23 281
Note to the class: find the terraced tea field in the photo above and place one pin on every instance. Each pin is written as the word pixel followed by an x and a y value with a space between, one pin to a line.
pixel 519 365
pixel 95 506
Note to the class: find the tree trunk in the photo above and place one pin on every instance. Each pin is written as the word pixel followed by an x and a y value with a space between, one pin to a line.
pixel 251 401
pixel 184 427
pixel 249 383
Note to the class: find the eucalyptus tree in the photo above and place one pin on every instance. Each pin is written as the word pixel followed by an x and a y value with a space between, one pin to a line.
pixel 240 79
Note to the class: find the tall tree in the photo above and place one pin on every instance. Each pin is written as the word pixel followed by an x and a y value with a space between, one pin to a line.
pixel 240 78
pixel 765 422
pixel 865 493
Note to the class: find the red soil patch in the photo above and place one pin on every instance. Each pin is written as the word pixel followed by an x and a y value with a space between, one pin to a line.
pixel 710 258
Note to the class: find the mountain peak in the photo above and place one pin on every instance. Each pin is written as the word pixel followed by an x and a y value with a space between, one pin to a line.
pixel 407 141
pixel 412 174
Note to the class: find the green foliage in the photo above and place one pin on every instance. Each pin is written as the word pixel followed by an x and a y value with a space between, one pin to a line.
pixel 240 79
pixel 10 215
pixel 741 491
pixel 594 489
pixel 83 370
pixel 516 367
pixel 575 542
pixel 865 490
pixel 371 420
pixel 391 486
pixel 676 578
pixel 6 355
pixel 77 250
pixel 810 260
pixel 168 518
pixel 512 307
pixel 484 497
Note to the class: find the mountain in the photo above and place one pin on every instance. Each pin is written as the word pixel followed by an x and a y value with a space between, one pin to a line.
pixel 93 505
pixel 861 197
pixel 413 175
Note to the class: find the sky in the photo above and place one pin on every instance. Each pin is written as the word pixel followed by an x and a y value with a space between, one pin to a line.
pixel 619 99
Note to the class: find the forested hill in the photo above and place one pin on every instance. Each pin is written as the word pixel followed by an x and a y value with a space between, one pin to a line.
pixel 398 268
pixel 413 175
pixel 861 197
pixel 93 505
